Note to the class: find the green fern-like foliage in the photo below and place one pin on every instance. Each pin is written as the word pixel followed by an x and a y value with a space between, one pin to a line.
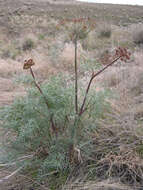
pixel 29 120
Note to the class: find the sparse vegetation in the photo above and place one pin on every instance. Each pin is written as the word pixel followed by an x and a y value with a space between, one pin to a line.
pixel 28 44
pixel 41 36
pixel 6 54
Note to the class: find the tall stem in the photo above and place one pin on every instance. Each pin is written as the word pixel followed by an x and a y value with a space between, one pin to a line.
pixel 76 77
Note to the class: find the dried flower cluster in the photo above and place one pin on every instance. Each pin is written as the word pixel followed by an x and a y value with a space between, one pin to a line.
pixel 77 28
pixel 123 54
pixel 28 64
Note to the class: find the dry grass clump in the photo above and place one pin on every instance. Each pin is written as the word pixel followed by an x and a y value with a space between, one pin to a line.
pixel 103 185
pixel 126 165
pixel 116 161
pixel 117 149
pixel 20 182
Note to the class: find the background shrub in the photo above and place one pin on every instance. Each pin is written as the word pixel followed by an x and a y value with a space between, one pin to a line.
pixel 138 36
pixel 104 31
pixel 28 44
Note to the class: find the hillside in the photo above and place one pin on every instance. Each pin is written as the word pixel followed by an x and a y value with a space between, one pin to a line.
pixel 34 29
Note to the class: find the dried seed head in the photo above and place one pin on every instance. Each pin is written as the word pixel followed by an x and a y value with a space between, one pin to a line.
pixel 28 64
pixel 123 54
pixel 77 28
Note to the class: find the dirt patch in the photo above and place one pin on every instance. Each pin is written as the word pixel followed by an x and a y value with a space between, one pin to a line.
pixel 9 90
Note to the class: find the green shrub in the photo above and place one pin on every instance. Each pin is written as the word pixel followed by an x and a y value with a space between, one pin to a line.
pixel 28 44
pixel 105 31
pixel 41 36
pixel 29 120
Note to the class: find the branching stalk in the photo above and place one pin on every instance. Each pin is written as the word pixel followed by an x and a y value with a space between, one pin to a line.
pixel 82 109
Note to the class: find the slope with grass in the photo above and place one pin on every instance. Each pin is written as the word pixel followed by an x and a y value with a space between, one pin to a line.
pixel 112 128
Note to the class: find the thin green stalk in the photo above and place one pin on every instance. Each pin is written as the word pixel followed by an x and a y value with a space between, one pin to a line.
pixel 76 78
